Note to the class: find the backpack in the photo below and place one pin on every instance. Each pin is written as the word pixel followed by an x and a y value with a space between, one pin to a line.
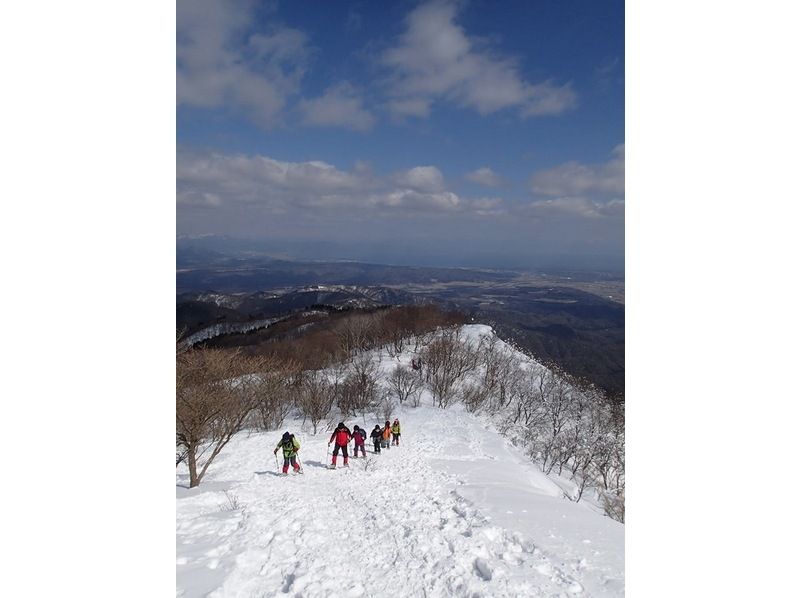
pixel 288 446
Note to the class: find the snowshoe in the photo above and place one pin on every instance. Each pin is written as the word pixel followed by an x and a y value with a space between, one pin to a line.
pixel 331 466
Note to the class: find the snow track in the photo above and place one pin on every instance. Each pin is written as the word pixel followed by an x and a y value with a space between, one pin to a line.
pixel 396 523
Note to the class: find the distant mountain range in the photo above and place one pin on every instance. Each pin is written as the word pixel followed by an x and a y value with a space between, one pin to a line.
pixel 572 318
pixel 196 311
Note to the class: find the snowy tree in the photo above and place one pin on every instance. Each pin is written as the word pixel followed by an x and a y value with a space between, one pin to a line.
pixel 500 369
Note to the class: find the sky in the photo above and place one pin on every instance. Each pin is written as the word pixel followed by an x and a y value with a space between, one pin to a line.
pixel 472 133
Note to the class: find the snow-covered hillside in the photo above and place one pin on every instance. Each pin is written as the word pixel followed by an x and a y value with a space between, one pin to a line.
pixel 456 510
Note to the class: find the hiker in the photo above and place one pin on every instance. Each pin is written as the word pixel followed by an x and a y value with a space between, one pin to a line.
pixel 415 365
pixel 342 436
pixel 290 446
pixel 396 432
pixel 359 436
pixel 386 435
pixel 377 435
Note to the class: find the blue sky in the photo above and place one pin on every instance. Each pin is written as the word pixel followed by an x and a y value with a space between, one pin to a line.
pixel 468 133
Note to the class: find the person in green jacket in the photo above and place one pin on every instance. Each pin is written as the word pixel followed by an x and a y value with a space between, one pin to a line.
pixel 396 432
pixel 290 446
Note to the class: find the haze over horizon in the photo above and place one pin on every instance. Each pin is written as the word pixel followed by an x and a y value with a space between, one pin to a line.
pixel 434 133
pixel 195 247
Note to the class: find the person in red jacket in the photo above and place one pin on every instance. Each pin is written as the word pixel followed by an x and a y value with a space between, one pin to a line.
pixel 342 436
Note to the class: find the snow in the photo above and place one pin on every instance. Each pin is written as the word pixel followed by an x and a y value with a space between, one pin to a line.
pixel 456 510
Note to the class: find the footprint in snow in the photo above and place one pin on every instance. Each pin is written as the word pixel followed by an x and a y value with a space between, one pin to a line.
pixel 483 570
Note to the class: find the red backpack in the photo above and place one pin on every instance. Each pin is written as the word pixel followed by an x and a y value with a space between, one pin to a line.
pixel 342 437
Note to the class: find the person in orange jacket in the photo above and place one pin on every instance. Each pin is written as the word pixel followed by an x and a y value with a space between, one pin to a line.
pixel 386 435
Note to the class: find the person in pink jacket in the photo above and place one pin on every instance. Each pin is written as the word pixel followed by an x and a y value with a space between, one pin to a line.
pixel 359 436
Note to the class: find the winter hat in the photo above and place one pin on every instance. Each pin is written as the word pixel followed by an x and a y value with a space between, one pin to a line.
pixel 355 427
pixel 341 425
pixel 286 436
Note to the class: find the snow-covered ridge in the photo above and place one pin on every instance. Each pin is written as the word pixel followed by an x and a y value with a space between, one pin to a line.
pixel 456 510
pixel 227 328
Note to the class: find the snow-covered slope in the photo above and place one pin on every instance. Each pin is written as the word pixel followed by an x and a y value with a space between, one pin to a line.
pixel 454 511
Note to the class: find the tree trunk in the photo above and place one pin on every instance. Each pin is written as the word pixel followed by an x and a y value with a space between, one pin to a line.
pixel 192 461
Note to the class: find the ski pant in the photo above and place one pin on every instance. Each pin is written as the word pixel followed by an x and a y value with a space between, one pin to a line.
pixel 385 443
pixel 291 459
pixel 396 438
pixel 355 450
pixel 377 445
pixel 336 449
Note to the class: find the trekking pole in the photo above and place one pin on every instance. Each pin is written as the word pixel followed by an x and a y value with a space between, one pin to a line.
pixel 277 467
pixel 299 463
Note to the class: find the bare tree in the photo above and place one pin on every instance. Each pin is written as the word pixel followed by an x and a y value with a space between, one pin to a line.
pixel 358 392
pixel 614 505
pixel 355 332
pixel 501 369
pixel 315 396
pixel 399 329
pixel 215 392
pixel 278 396
pixel 448 358
pixel 525 390
pixel 474 396
pixel 404 383
pixel 385 407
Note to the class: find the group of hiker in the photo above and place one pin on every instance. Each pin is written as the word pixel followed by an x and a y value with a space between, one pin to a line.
pixel 382 438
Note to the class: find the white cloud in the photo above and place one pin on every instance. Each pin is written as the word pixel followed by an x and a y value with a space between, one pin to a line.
pixel 422 178
pixel 410 107
pixel 575 207
pixel 411 199
pixel 485 176
pixel 262 180
pixel 223 63
pixel 340 105
pixel 574 179
pixel 488 206
pixel 564 206
pixel 436 60
pixel 198 198
pixel 221 181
